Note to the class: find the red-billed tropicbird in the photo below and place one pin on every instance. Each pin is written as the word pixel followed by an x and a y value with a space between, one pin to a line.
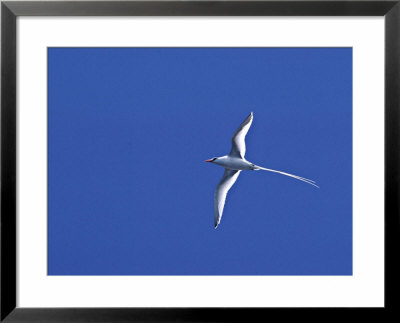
pixel 234 163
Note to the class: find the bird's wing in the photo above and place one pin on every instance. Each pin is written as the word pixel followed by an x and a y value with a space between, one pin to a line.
pixel 238 144
pixel 222 189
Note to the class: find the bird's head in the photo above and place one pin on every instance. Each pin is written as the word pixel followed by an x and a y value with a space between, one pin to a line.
pixel 211 160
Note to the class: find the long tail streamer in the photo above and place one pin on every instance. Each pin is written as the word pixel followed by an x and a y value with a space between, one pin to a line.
pixel 306 180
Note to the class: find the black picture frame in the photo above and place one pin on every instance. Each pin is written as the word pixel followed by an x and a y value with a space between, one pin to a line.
pixel 10 10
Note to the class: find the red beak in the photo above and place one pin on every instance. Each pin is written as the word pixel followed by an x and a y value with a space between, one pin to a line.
pixel 209 160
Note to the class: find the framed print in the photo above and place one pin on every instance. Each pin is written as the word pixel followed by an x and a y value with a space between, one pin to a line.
pixel 108 111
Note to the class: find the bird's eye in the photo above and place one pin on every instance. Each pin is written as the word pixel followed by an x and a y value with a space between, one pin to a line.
pixel 214 159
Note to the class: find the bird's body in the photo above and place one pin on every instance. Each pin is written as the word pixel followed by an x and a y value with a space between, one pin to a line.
pixel 234 163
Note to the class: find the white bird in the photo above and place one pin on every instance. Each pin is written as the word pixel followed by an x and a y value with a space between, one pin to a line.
pixel 234 163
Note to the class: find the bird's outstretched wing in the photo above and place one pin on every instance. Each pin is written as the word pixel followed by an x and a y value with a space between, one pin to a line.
pixel 238 144
pixel 229 178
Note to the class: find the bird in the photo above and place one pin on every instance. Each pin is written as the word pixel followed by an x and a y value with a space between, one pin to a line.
pixel 234 163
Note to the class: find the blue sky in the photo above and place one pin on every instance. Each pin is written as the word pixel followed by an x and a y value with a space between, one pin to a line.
pixel 129 191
